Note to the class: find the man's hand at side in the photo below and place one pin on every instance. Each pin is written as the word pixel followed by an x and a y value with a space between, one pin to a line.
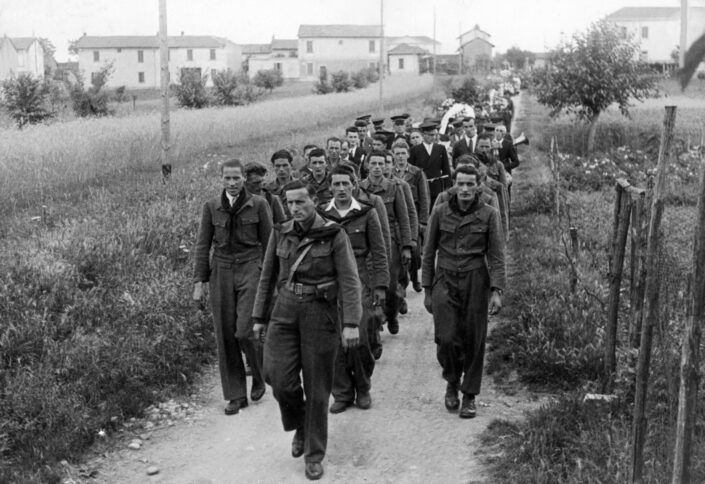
pixel 351 337
pixel 495 302
pixel 427 302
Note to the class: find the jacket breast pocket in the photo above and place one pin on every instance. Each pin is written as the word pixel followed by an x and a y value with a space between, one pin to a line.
pixel 220 232
pixel 358 240
pixel 249 233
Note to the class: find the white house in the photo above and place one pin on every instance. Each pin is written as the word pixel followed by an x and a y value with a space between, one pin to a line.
pixel 421 41
pixel 135 59
pixel 282 55
pixel 408 59
pixel 329 48
pixel 657 29
pixel 9 59
pixel 20 55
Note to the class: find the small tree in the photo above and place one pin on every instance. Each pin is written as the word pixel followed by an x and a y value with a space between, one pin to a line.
pixel 591 71
pixel 340 81
pixel 25 99
pixel 359 79
pixel 468 92
pixel 191 91
pixel 268 79
pixel 225 84
pixel 94 100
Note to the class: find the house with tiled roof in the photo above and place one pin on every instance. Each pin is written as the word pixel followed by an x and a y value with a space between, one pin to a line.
pixel 408 59
pixel 475 47
pixel 657 29
pixel 20 55
pixel 329 48
pixel 422 41
pixel 136 63
pixel 281 55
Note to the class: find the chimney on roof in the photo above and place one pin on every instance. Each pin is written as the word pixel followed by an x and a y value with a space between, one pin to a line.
pixel 182 33
pixel 84 34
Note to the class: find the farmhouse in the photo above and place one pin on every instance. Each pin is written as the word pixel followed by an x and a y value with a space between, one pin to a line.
pixel 475 47
pixel 135 59
pixel 330 48
pixel 408 59
pixel 657 29
pixel 20 55
pixel 280 55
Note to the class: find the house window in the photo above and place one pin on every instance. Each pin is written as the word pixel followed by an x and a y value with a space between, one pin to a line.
pixel 96 56
pixel 309 46
pixel 278 66
pixel 401 63
pixel 623 31
pixel 309 69
pixel 372 45
pixel 212 54
pixel 340 42
pixel 213 73
pixel 645 32
pixel 189 54
pixel 119 50
pixel 140 56
pixel 140 77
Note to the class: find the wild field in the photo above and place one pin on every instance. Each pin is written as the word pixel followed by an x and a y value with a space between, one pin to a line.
pixel 555 339
pixel 95 271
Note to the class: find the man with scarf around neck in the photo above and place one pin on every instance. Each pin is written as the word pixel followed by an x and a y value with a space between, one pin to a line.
pixel 399 227
pixel 487 195
pixel 463 277
pixel 312 265
pixel 493 175
pixel 415 178
pixel 237 226
pixel 354 367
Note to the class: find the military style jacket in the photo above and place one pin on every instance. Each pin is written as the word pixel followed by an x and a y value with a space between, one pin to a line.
pixel 464 241
pixel 235 237
pixel 418 184
pixel 365 233
pixel 487 195
pixel 330 259
pixel 322 188
pixel 397 213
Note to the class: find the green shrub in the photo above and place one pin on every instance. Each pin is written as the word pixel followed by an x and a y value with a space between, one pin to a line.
pixel 191 91
pixel 340 81
pixel 323 86
pixel 468 92
pixel 92 101
pixel 230 89
pixel 24 98
pixel 269 79
pixel 360 79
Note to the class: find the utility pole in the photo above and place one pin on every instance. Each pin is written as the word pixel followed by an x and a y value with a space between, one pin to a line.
pixel 434 40
pixel 684 34
pixel 460 49
pixel 381 57
pixel 164 78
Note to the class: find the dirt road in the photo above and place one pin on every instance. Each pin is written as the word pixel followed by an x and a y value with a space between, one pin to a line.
pixel 407 436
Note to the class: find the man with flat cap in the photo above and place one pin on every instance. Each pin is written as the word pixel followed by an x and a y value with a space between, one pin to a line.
pixel 400 129
pixel 432 158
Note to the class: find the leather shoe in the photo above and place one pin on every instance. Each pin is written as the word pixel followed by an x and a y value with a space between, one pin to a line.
pixel 234 406
pixel 297 444
pixel 468 409
pixel 451 399
pixel 403 308
pixel 314 470
pixel 417 286
pixel 377 352
pixel 393 326
pixel 339 407
pixel 257 391
pixel 364 400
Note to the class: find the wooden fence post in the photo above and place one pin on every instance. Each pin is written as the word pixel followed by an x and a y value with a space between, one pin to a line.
pixel 690 359
pixel 651 291
pixel 622 210
pixel 639 226
pixel 575 247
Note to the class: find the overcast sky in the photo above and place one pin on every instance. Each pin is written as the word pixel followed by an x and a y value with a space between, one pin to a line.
pixel 532 25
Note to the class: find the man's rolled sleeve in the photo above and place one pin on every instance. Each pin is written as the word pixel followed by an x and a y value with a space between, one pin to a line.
pixel 495 252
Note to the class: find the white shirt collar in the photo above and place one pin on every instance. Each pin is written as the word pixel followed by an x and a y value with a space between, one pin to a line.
pixel 353 205
pixel 429 147
pixel 231 199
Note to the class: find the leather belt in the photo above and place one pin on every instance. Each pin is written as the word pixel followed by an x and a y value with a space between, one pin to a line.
pixel 301 289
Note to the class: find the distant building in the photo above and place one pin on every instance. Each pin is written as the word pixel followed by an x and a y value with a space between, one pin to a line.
pixel 421 41
pixel 657 29
pixel 475 48
pixel 20 55
pixel 136 63
pixel 447 64
pixel 408 59
pixel 540 60
pixel 281 55
pixel 329 48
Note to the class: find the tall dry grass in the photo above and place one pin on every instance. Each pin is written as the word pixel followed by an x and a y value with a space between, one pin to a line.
pixel 41 161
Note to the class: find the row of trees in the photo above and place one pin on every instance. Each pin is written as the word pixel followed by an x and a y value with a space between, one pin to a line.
pixel 229 88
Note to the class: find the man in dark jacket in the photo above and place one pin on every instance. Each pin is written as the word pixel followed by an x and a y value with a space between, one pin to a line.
pixel 432 158
pixel 236 225
pixel 311 263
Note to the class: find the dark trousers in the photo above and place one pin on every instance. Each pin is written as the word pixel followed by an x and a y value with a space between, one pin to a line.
pixel 354 366
pixel 460 302
pixel 391 309
pixel 232 294
pixel 303 337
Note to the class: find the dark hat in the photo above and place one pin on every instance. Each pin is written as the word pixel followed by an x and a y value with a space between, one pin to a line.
pixel 400 122
pixel 405 115
pixel 458 123
pixel 468 118
pixel 428 126
pixel 365 117
pixel 445 137
pixel 489 127
pixel 378 121
pixel 360 123
pixel 384 132
pixel 399 118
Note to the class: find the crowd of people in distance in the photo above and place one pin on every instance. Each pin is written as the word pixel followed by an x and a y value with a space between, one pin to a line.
pixel 307 270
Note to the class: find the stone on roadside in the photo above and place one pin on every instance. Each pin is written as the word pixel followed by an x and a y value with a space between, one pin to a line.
pixel 152 470
pixel 135 444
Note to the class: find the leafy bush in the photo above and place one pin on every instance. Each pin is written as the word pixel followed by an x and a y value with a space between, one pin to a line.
pixel 323 86
pixel 191 91
pixel 340 81
pixel 372 74
pixel 468 92
pixel 230 89
pixel 268 79
pixel 120 94
pixel 92 101
pixel 25 99
pixel 360 79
